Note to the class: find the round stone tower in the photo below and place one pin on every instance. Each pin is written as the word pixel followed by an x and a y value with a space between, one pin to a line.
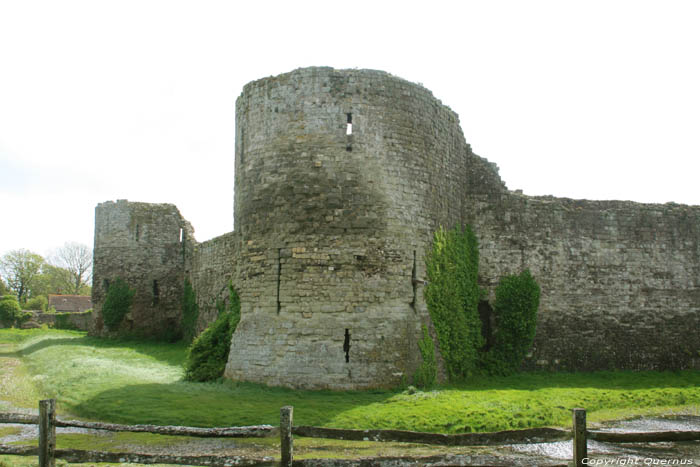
pixel 341 177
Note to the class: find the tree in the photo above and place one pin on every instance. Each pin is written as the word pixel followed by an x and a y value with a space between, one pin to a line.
pixel 52 280
pixel 21 268
pixel 3 288
pixel 76 258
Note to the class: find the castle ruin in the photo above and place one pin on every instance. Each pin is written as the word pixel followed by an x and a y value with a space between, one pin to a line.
pixel 341 178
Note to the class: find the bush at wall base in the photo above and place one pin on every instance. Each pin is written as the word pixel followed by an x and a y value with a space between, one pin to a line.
pixel 117 303
pixel 208 354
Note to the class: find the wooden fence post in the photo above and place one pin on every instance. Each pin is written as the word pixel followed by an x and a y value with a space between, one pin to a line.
pixel 579 441
pixel 47 433
pixel 286 421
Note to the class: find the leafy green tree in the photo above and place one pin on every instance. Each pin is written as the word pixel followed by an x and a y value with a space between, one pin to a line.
pixel 51 280
pixel 38 303
pixel 452 296
pixel 3 288
pixel 21 268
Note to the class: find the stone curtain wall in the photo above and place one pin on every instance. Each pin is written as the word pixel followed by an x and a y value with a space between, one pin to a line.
pixel 620 280
pixel 332 227
pixel 146 245
pixel 81 321
pixel 211 272
pixel 331 222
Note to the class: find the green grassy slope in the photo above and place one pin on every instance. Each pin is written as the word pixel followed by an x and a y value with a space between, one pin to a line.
pixel 140 382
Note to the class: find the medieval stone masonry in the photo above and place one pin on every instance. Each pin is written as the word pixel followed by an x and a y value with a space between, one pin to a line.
pixel 341 178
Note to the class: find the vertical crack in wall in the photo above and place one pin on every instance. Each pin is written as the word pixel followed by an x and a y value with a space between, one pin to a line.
pixel 414 281
pixel 346 345
pixel 279 278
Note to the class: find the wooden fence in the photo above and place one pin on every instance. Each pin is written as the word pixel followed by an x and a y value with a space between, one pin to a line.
pixel 48 422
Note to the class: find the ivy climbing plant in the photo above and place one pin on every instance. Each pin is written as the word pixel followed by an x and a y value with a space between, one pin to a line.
pixel 190 312
pixel 452 296
pixel 208 354
pixel 117 303
pixel 515 310
pixel 426 375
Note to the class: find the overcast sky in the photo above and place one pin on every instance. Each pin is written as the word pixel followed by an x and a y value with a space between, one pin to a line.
pixel 106 100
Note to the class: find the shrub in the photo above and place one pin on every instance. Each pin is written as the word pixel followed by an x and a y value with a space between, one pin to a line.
pixel 117 303
pixel 10 311
pixel 515 310
pixel 452 296
pixel 36 303
pixel 208 354
pixel 426 375
pixel 190 312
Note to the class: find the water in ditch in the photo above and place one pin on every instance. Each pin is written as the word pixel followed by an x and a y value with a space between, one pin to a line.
pixel 676 453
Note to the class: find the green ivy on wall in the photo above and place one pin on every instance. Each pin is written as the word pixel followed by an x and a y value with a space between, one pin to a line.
pixel 426 375
pixel 515 310
pixel 190 312
pixel 452 296
pixel 208 354
pixel 117 303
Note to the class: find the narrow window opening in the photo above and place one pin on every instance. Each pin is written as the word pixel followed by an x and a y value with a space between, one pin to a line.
pixel 156 293
pixel 138 232
pixel 348 132
pixel 414 281
pixel 105 285
pixel 279 278
pixel 182 234
pixel 346 346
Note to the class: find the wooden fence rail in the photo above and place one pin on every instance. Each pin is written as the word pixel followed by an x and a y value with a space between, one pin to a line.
pixel 527 436
pixel 47 451
pixel 78 456
pixel 256 431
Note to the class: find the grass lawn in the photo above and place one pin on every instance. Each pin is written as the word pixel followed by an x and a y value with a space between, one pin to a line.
pixel 140 382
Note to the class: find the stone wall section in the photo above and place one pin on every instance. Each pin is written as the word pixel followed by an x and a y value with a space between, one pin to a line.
pixel 71 320
pixel 620 280
pixel 145 245
pixel 211 271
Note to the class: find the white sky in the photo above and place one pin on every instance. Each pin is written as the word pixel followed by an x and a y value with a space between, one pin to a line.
pixel 105 100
